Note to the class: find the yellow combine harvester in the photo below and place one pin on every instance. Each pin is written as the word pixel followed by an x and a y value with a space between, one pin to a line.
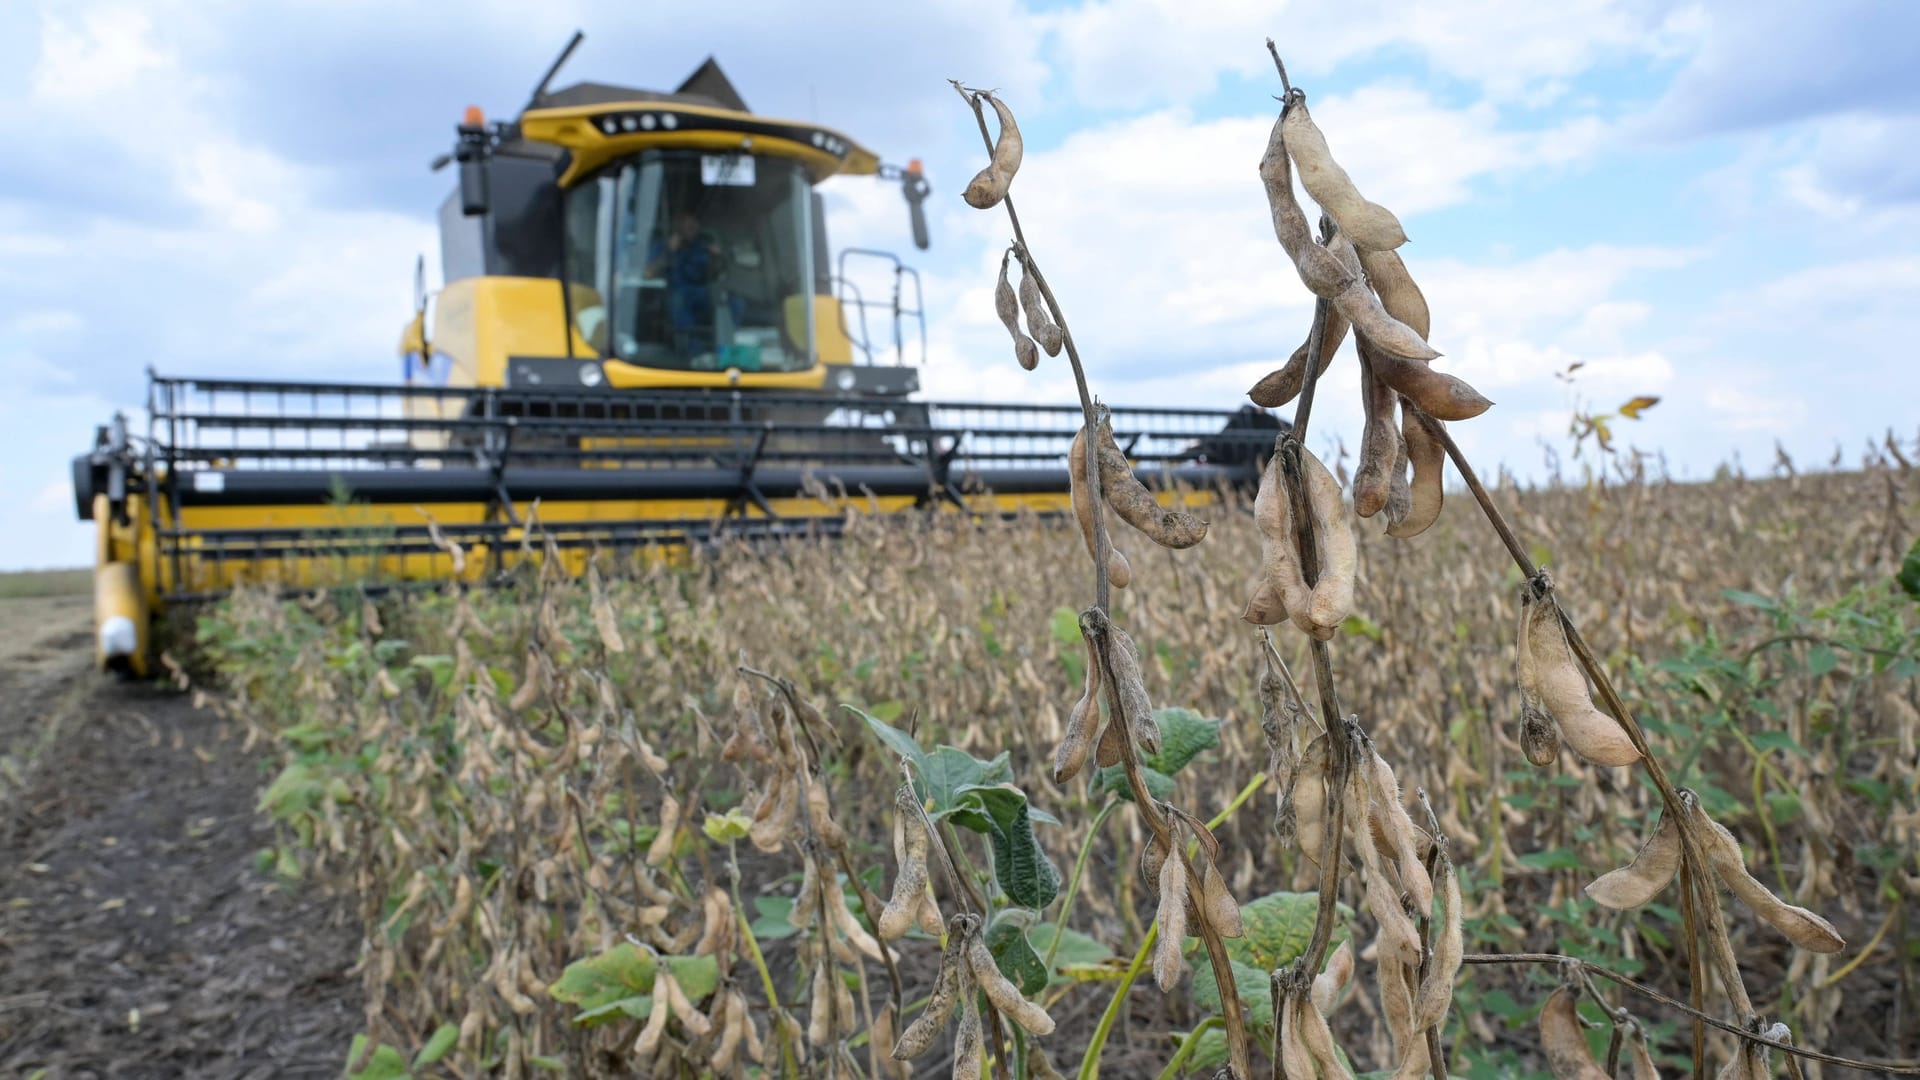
pixel 641 343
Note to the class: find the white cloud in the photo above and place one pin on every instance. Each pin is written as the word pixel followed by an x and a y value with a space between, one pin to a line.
pixel 92 65
pixel 1130 53
pixel 44 321
pixel 1743 410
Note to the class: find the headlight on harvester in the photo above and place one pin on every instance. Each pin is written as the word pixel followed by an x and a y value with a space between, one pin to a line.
pixel 844 380
pixel 590 375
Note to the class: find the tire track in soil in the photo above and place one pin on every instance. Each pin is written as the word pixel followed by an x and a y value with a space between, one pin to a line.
pixel 127 882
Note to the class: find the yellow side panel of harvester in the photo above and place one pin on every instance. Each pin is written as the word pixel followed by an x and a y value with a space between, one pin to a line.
pixel 479 322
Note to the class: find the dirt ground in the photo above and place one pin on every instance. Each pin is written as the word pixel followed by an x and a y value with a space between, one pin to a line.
pixel 136 937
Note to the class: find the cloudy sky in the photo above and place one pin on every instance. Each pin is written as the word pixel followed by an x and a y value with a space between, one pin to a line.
pixel 1716 203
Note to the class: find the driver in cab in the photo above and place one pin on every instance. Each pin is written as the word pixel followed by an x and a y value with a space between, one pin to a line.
pixel 689 259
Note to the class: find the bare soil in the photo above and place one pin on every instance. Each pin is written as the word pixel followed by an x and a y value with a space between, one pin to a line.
pixel 137 937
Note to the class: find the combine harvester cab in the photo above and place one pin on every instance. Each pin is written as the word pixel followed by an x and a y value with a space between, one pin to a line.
pixel 641 345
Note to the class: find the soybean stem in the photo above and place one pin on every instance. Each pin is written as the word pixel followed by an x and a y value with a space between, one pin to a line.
pixel 1691 846
pixel 1102 546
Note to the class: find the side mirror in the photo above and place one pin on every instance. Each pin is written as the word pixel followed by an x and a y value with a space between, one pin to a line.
pixel 471 152
pixel 914 185
pixel 473 187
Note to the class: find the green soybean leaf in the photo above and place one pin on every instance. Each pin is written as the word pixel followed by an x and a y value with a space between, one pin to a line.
pixel 897 741
pixel 1078 951
pixel 387 1064
pixel 1113 779
pixel 1211 1049
pixel 610 984
pixel 442 1041
pixel 1909 577
pixel 1252 984
pixel 1279 927
pixel 1065 625
pixel 1014 955
pixel 945 776
pixel 1020 867
pixel 1183 735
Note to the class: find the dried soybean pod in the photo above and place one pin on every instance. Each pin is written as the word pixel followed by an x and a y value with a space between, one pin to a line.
pixel 1449 945
pixel 1168 963
pixel 1419 434
pixel 1403 836
pixel 1109 750
pixel 1332 599
pixel 1333 979
pixel 1399 939
pixel 662 847
pixel 1650 871
pixel 806 902
pixel 716 930
pixel 1564 1042
pixel 1071 755
pixel 1398 293
pixel 1371 225
pixel 1400 366
pixel 1283 384
pixel 1049 335
pixel 1135 504
pixel 1399 494
pixel 948 988
pixel 692 1019
pixel 1152 854
pixel 1296 1061
pixel 1538 740
pixel 1310 799
pixel 1223 913
pixel 910 886
pixel 1440 395
pixel 1371 320
pixel 843 919
pixel 1563 691
pixel 1118 572
pixel 1283 591
pixel 968 1051
pixel 1319 1039
pixel 844 1016
pixel 820 813
pixel 604 622
pixel 775 814
pixel 990 184
pixel 1319 269
pixel 732 1018
pixel 1009 312
pixel 529 682
pixel 929 916
pixel 1136 708
pixel 1640 1060
pixel 1005 996
pixel 1802 927
pixel 1396 1007
pixel 1379 442
pixel 820 1005
pixel 657 1017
